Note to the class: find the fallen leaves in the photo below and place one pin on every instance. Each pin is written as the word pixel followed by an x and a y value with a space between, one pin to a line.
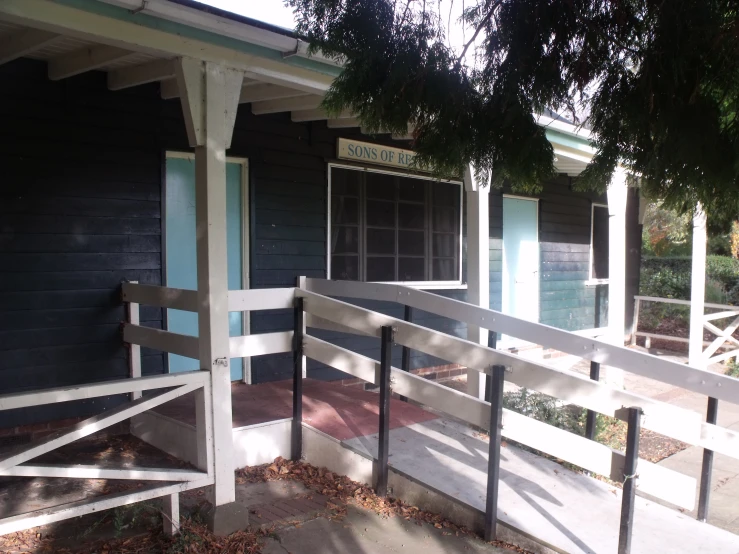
pixel 342 491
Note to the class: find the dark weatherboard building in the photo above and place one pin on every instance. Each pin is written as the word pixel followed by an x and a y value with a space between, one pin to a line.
pixel 98 187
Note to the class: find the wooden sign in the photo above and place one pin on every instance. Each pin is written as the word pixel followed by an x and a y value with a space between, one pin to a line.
pixel 376 154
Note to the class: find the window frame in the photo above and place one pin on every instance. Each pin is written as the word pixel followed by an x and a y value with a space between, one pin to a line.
pixel 592 280
pixel 452 284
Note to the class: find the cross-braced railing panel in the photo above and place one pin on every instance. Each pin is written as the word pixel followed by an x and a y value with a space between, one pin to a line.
pixel 724 337
pixel 14 463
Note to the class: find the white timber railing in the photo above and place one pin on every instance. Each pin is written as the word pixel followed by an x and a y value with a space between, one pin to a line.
pixel 186 300
pixel 724 337
pixel 324 311
pixel 16 462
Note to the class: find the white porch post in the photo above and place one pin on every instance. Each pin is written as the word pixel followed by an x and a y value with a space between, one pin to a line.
pixel 209 94
pixel 478 266
pixel 617 196
pixel 697 289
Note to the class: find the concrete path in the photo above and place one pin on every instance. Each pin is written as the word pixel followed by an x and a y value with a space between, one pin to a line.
pixel 298 528
pixel 723 506
pixel 568 511
pixel 364 532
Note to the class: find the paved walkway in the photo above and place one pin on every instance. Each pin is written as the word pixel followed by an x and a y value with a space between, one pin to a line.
pixel 364 532
pixel 294 514
pixel 724 501
pixel 568 511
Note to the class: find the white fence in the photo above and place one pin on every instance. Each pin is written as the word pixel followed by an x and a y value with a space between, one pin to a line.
pixel 325 312
pixel 13 463
pixel 328 313
pixel 724 337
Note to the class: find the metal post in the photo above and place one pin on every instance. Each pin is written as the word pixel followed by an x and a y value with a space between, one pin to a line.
pixel 296 449
pixel 629 492
pixel 590 418
pixel 492 343
pixel 707 468
pixel 384 438
pixel 406 360
pixel 496 381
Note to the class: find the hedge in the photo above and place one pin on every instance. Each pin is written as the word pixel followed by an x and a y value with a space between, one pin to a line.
pixel 670 277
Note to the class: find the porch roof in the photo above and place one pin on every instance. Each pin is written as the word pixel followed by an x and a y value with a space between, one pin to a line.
pixel 137 42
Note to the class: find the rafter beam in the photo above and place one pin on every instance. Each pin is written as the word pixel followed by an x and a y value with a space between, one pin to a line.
pixel 23 43
pixel 316 115
pixel 265 91
pixel 287 104
pixel 157 70
pixel 86 59
pixel 342 123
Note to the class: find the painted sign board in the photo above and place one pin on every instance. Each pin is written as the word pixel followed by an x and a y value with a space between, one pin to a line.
pixel 376 154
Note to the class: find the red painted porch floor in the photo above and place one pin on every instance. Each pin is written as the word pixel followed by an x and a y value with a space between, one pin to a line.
pixel 340 411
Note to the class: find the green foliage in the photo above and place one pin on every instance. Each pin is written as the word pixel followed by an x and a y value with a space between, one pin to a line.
pixel 545 409
pixel 660 81
pixel 732 368
pixel 670 277
pixel 126 517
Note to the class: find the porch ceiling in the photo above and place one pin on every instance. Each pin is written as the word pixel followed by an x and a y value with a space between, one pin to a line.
pixel 73 41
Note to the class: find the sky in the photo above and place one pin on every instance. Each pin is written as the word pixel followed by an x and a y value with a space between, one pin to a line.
pixel 275 12
pixel 269 11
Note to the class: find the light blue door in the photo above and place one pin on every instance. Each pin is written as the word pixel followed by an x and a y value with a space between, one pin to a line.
pixel 181 262
pixel 521 258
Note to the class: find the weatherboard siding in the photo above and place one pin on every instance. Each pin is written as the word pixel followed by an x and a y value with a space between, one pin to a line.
pixel 566 301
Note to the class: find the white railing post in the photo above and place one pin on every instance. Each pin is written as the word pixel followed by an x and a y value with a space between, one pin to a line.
pixel 635 322
pixel 134 350
pixel 617 197
pixel 209 93
pixel 478 266
pixel 697 289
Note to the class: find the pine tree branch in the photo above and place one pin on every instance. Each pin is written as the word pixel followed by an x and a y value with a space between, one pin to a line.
pixel 479 28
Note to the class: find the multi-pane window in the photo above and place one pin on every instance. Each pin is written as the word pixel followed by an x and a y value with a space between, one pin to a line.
pixel 392 228
pixel 599 243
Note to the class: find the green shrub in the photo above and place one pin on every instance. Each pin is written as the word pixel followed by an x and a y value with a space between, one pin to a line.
pixel 670 278
pixel 545 409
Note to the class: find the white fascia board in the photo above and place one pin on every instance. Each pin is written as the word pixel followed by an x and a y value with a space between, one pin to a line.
pixel 223 26
pixel 563 127
pixel 123 33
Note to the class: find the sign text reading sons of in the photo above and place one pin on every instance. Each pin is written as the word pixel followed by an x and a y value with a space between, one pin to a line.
pixel 375 153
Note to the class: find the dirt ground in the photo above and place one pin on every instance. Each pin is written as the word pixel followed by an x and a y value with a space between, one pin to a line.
pixel 652 446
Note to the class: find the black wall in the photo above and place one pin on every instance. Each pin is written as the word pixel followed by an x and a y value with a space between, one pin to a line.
pixel 80 211
pixel 81 172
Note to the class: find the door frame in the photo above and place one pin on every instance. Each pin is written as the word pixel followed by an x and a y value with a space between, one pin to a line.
pixel 507 341
pixel 245 243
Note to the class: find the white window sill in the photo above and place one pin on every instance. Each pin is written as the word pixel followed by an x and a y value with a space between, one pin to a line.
pixel 593 282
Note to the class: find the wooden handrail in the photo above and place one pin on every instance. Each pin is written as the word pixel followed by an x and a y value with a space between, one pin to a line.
pixel 693 379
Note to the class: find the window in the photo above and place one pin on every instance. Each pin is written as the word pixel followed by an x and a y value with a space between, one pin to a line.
pixel 393 228
pixel 599 243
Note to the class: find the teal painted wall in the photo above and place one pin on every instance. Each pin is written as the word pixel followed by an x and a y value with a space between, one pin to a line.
pixel 181 259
